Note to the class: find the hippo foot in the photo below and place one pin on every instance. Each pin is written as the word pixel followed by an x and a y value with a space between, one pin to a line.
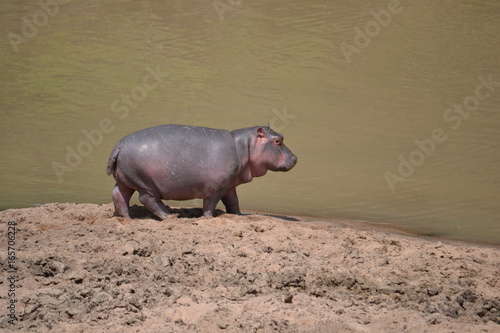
pixel 208 214
pixel 126 216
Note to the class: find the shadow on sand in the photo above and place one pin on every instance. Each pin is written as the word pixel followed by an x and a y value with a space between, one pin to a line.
pixel 140 212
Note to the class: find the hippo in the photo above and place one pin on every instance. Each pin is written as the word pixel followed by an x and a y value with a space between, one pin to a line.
pixel 180 162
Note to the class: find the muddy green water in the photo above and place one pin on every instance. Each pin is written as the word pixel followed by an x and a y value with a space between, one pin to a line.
pixel 392 107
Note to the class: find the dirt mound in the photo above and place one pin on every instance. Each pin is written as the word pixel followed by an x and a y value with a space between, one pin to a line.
pixel 77 268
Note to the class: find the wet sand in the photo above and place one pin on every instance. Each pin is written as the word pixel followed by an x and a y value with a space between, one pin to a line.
pixel 79 269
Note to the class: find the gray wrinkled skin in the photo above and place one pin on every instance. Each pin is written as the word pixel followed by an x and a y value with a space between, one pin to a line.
pixel 178 162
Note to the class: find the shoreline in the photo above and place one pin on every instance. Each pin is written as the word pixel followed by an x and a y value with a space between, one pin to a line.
pixel 356 224
pixel 78 268
pixel 377 226
pixel 351 223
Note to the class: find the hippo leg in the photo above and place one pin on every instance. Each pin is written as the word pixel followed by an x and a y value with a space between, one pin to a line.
pixel 153 204
pixel 209 205
pixel 230 200
pixel 121 198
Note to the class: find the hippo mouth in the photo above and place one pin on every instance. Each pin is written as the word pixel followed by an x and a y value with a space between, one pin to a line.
pixel 286 167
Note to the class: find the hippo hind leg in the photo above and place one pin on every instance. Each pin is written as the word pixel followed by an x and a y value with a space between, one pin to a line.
pixel 121 198
pixel 153 204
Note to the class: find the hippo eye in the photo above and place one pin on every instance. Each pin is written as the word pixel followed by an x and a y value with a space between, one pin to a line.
pixel 277 142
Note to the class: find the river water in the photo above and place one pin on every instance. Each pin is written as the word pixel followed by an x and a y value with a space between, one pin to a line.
pixel 392 107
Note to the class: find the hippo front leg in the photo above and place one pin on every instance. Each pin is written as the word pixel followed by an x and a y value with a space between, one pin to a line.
pixel 230 200
pixel 209 205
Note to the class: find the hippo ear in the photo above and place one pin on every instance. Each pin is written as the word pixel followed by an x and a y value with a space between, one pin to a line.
pixel 261 133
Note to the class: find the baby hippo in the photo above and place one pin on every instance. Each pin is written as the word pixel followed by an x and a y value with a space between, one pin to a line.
pixel 178 162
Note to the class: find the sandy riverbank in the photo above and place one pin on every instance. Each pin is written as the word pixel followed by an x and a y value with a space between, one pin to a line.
pixel 81 269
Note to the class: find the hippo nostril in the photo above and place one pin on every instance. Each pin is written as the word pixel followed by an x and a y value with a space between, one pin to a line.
pixel 292 161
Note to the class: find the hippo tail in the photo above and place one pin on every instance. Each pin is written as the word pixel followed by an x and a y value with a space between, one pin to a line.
pixel 112 161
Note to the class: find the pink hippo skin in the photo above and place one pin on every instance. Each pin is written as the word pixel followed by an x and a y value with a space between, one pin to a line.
pixel 178 162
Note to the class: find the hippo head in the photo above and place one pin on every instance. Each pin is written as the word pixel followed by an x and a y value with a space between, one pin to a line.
pixel 270 153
